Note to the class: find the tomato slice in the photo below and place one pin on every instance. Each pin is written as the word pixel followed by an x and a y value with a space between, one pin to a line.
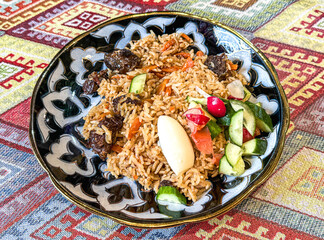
pixel 246 135
pixel 203 140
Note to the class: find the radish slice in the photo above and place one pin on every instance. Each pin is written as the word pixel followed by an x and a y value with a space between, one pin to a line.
pixel 216 107
pixel 194 111
pixel 236 89
pixel 198 119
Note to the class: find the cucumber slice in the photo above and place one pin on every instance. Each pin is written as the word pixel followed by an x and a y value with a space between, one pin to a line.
pixel 236 128
pixel 263 120
pixel 225 167
pixel 247 94
pixel 233 153
pixel 239 167
pixel 138 83
pixel 213 128
pixel 254 147
pixel 248 115
pixel 202 101
pixel 170 194
pixel 226 120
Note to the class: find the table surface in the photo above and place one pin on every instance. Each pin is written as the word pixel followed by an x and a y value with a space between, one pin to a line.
pixel 289 205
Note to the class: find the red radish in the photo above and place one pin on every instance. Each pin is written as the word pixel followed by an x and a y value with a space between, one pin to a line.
pixel 194 111
pixel 216 107
pixel 246 135
pixel 236 89
pixel 203 141
pixel 198 119
pixel 231 97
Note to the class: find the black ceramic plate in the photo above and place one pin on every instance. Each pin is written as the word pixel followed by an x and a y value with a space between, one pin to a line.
pixel 59 105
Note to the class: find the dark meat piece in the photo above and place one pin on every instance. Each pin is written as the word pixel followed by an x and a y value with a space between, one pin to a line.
pixel 217 64
pixel 114 123
pixel 125 99
pixel 89 86
pixel 121 60
pixel 92 83
pixel 99 145
pixel 165 183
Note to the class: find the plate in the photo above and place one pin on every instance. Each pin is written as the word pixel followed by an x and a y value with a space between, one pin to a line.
pixel 59 105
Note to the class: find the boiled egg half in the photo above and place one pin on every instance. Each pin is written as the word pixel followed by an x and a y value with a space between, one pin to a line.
pixel 176 145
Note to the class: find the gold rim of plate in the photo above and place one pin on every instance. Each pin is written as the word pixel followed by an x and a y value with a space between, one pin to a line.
pixel 228 206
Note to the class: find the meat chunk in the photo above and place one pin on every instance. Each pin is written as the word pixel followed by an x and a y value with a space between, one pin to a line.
pixel 98 142
pixel 99 145
pixel 217 64
pixel 125 99
pixel 94 79
pixel 113 124
pixel 121 60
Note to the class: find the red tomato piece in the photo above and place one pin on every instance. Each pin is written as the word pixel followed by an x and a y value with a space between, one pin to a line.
pixel 246 135
pixel 203 141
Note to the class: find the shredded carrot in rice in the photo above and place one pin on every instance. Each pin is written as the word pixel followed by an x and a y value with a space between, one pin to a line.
pixel 233 65
pixel 171 69
pixel 168 45
pixel 116 148
pixel 183 54
pixel 149 68
pixel 161 88
pixel 199 54
pixel 134 128
pixel 188 64
pixel 185 36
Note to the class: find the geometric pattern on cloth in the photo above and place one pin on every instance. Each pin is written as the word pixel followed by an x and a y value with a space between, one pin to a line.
pixel 14 12
pixel 242 14
pixel 22 62
pixel 239 225
pixel 311 119
pixel 300 25
pixel 43 29
pixel 300 72
pixel 77 19
pixel 298 184
pixel 18 115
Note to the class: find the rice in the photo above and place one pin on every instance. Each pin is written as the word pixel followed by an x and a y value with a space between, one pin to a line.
pixel 141 157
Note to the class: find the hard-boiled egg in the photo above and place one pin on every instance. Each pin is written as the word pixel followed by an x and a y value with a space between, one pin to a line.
pixel 175 144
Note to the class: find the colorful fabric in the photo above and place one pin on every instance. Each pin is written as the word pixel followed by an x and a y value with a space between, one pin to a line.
pixel 289 205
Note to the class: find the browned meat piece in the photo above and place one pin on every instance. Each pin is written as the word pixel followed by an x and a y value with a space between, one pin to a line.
pixel 89 86
pixel 121 60
pixel 113 124
pixel 98 142
pixel 92 83
pixel 99 145
pixel 217 64
pixel 125 99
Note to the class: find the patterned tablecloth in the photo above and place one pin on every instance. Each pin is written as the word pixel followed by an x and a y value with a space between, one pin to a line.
pixel 290 205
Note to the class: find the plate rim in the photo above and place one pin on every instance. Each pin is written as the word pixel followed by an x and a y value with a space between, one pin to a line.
pixel 228 206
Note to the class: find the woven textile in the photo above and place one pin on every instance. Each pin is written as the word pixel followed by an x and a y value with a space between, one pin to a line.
pixel 289 205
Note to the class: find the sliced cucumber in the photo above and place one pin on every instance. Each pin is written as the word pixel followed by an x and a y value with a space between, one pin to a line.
pixel 263 120
pixel 236 128
pixel 233 153
pixel 214 129
pixel 226 120
pixel 248 115
pixel 247 94
pixel 227 169
pixel 254 147
pixel 138 83
pixel 202 101
pixel 170 194
pixel 239 167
